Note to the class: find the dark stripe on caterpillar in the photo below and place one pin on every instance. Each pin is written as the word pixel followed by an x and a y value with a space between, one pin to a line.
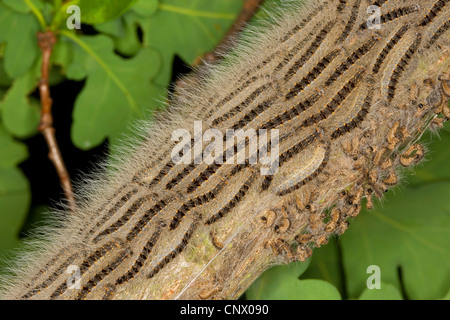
pixel 252 114
pixel 336 101
pixel 341 5
pixel 117 206
pixel 291 54
pixel 233 202
pixel 285 38
pixel 180 176
pixel 389 46
pixel 393 15
pixel 96 279
pixel 255 94
pixel 232 95
pixel 86 264
pixel 310 51
pixel 203 176
pixel 51 279
pixel 352 124
pixel 437 7
pixel 161 174
pixel 123 219
pixel 139 263
pixel 351 60
pixel 309 178
pixel 312 75
pixel 288 154
pixel 397 73
pixel 178 249
pixel 350 23
pixel 142 223
pixel 379 3
pixel 293 112
pixel 439 32
pixel 192 203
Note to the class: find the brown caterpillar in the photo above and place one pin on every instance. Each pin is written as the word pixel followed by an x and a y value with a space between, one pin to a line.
pixel 349 101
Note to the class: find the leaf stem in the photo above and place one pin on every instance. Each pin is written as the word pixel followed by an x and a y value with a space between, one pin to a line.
pixel 37 13
pixel 195 13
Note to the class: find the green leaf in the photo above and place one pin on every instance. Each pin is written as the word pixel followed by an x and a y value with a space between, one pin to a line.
pixel 325 265
pixel 14 204
pixel 447 296
pixel 281 283
pixel 128 44
pixel 386 292
pixel 20 5
pixel 114 28
pixel 145 8
pixel 5 80
pixel 271 279
pixel 12 151
pixel 19 33
pixel 186 28
pixel 21 114
pixel 124 33
pixel 116 91
pixel 410 233
pixel 98 11
pixel 437 160
pixel 62 54
pixel 305 290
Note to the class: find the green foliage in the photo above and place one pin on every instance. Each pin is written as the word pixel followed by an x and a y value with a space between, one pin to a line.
pixel 386 292
pixel 21 6
pixel 116 89
pixel 20 113
pixel 126 69
pixel 404 234
pixel 98 11
pixel 14 190
pixel 282 283
pixel 19 37
pixel 177 27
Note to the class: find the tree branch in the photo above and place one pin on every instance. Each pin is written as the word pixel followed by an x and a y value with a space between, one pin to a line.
pixel 46 41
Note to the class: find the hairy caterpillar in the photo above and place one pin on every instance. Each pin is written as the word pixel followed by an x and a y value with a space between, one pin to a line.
pixel 349 102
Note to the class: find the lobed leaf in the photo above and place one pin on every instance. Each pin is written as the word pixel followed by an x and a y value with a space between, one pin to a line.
pixel 326 265
pixel 116 91
pixel 21 6
pixel 18 31
pixel 408 237
pixel 98 11
pixel 14 204
pixel 20 113
pixel 386 292
pixel 186 28
pixel 12 151
pixel 282 283
pixel 146 8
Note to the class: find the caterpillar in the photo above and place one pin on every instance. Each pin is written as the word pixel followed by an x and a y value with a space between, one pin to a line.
pixel 349 99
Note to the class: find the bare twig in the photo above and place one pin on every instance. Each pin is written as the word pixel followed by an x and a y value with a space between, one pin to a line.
pixel 46 41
